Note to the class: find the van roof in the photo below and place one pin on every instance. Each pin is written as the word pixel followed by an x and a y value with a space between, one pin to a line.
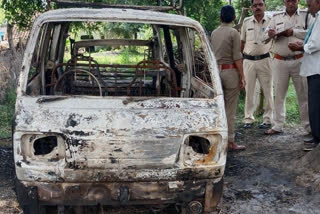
pixel 116 15
pixel 85 4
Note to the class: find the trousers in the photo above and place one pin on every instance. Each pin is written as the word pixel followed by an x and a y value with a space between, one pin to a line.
pixel 231 89
pixel 261 70
pixel 282 72
pixel 314 104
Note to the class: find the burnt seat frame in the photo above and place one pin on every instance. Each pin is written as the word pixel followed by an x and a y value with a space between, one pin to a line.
pixel 157 70
pixel 156 65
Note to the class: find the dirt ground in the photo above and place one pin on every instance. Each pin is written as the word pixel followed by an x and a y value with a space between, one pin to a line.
pixel 262 179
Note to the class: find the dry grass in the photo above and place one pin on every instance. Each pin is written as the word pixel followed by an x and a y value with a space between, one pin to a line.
pixel 10 206
pixel 4 78
pixel 9 70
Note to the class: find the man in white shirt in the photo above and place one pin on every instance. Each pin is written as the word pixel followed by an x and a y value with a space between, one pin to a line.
pixel 310 68
pixel 287 27
pixel 256 63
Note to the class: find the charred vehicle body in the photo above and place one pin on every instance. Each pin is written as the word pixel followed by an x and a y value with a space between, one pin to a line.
pixel 90 132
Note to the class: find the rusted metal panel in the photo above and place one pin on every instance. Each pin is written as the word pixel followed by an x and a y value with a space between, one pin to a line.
pixel 102 136
pixel 110 193
pixel 121 116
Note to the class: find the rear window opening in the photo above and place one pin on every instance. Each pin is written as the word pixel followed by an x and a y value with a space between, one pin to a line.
pixel 119 59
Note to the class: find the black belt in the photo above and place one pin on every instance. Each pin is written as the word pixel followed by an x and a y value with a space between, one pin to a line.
pixel 259 57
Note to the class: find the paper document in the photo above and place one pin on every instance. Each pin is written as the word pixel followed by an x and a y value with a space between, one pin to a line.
pixel 279 30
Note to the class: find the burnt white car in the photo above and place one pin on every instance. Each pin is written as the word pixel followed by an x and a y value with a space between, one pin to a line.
pixel 90 133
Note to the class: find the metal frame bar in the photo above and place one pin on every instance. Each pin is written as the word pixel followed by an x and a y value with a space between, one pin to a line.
pixel 69 3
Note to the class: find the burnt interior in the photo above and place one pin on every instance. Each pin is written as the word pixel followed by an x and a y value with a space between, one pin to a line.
pixel 168 62
pixel 45 145
pixel 199 144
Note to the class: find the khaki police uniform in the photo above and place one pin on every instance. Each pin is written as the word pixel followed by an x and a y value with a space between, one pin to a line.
pixel 286 64
pixel 256 65
pixel 225 42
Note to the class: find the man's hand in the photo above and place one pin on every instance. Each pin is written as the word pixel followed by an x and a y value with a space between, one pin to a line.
pixel 239 65
pixel 296 46
pixel 242 83
pixel 286 33
pixel 272 33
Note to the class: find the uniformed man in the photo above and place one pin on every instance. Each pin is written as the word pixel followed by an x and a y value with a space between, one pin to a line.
pixel 287 27
pixel 256 64
pixel 310 68
pixel 225 42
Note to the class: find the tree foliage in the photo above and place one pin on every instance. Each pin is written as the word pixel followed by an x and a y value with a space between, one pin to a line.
pixel 21 12
pixel 131 2
pixel 207 12
pixel 272 5
pixel 2 17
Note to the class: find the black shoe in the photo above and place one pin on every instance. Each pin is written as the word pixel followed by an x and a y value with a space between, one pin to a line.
pixel 308 138
pixel 308 141
pixel 310 146
pixel 248 125
pixel 264 126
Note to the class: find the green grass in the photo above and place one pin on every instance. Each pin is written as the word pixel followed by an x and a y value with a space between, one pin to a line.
pixel 125 57
pixel 292 108
pixel 6 113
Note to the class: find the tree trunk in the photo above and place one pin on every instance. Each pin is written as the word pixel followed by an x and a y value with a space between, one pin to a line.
pixel 13 54
pixel 10 38
pixel 48 2
pixel 15 57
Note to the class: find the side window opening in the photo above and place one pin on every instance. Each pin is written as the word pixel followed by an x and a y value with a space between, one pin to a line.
pixel 34 76
pixel 201 82
pixel 201 69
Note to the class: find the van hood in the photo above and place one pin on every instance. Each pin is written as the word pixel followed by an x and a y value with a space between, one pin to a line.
pixel 120 116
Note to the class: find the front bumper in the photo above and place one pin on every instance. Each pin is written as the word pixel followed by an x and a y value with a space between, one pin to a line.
pixel 208 192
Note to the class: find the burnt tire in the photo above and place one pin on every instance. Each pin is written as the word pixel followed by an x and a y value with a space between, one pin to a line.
pixel 210 202
pixel 28 199
pixel 30 209
pixel 217 192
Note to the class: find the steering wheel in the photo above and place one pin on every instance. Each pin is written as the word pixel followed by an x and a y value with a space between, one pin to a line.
pixel 78 70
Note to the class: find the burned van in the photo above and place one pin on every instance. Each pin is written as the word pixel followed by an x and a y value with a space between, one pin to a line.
pixel 118 120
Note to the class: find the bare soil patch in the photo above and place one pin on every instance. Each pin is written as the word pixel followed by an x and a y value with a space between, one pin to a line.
pixel 264 178
pixel 8 202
